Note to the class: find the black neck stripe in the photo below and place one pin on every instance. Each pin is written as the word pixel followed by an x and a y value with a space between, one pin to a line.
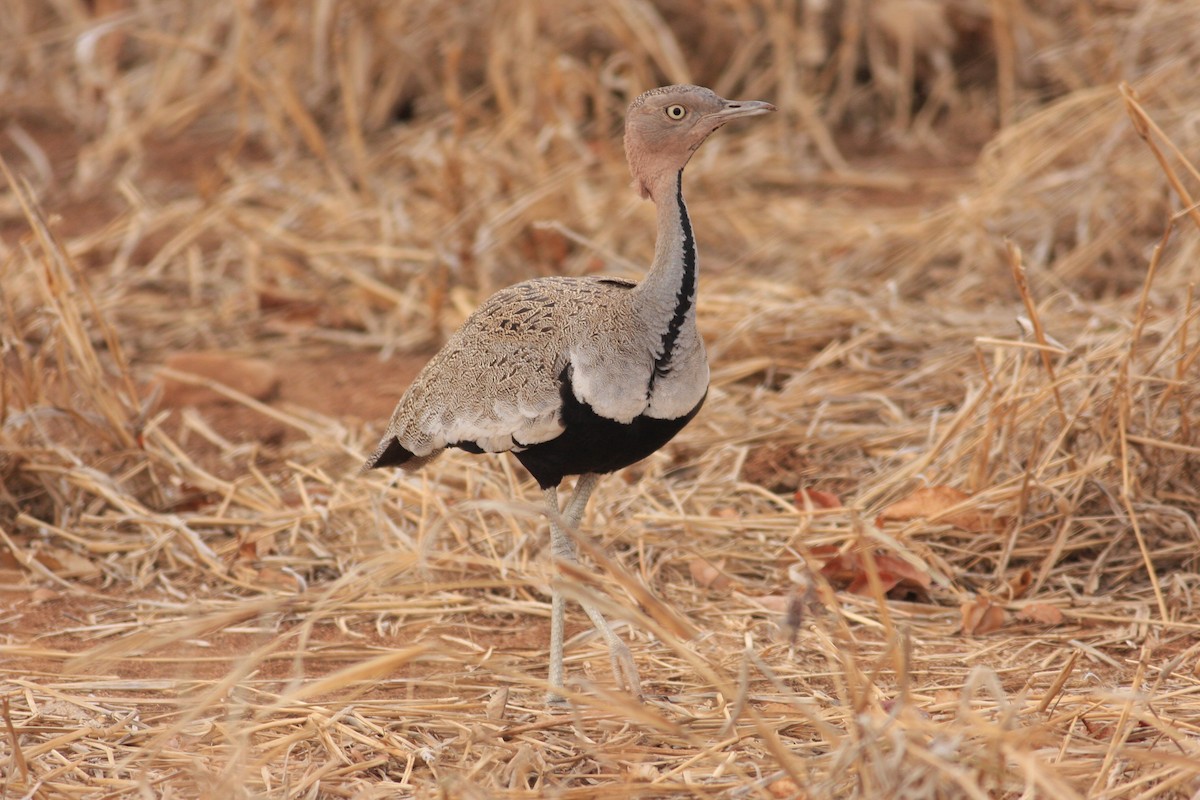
pixel 687 288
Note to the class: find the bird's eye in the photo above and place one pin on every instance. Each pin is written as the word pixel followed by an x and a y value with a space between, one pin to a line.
pixel 676 111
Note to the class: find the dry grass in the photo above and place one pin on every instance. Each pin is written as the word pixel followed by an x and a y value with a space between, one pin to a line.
pixel 961 255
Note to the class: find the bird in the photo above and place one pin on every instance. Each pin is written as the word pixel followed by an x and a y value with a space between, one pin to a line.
pixel 581 376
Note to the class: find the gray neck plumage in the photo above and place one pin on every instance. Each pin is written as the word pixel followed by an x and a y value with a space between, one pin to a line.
pixel 668 292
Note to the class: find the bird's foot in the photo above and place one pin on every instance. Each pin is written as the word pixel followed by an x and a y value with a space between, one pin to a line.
pixel 625 671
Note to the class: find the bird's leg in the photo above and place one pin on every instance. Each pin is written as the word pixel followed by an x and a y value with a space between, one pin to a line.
pixel 563 547
pixel 573 513
pixel 624 669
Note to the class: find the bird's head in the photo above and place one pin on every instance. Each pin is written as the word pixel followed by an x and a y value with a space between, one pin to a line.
pixel 664 127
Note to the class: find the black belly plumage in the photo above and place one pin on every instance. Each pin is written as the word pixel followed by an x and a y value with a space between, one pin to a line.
pixel 592 443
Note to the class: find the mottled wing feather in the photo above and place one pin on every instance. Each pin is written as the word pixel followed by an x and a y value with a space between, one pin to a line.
pixel 495 385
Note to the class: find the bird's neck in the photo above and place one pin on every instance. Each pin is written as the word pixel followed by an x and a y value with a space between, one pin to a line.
pixel 667 295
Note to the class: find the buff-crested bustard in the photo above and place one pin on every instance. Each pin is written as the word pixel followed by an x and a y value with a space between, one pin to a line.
pixel 581 376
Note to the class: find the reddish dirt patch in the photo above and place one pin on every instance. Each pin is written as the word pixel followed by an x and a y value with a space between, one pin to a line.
pixel 350 385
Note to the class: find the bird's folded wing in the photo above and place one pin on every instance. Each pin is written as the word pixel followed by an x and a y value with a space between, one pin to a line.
pixel 459 401
pixel 497 384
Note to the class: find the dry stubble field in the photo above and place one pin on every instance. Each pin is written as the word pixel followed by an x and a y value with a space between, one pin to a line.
pixel 933 535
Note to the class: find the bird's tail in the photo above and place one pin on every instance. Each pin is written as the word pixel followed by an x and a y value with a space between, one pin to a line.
pixel 391 453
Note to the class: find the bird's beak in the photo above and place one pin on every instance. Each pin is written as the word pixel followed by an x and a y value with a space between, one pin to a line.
pixel 743 108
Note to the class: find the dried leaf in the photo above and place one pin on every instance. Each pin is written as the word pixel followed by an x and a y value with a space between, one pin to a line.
pixel 896 575
pixel 931 503
pixel 274 578
pixel 861 584
pixel 897 572
pixel 842 567
pixel 1019 585
pixel 981 616
pixel 1098 730
pixel 247 548
pixel 708 575
pixel 48 561
pixel 1043 613
pixel 498 704
pixel 815 499
pixel 189 497
pixel 67 563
